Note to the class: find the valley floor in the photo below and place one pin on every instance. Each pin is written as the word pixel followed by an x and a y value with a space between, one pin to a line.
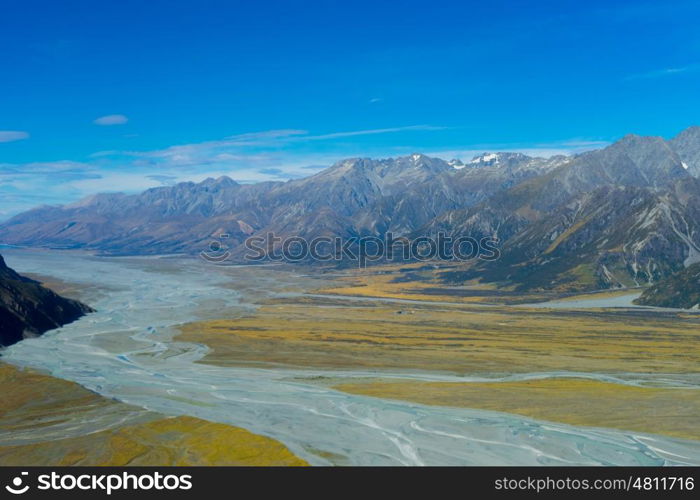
pixel 382 322
pixel 384 366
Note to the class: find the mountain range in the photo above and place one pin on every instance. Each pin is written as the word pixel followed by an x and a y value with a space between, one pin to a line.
pixel 624 215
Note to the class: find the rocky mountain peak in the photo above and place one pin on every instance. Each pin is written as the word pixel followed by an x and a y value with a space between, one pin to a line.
pixel 634 160
pixel 413 164
pixel 692 133
pixel 498 159
pixel 687 145
pixel 223 181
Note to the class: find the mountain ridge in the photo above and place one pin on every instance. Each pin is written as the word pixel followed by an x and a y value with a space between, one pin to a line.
pixel 183 218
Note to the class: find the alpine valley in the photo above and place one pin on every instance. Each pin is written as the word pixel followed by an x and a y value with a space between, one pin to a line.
pixel 580 345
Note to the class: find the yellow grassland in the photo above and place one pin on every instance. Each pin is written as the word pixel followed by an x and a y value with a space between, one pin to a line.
pixel 33 402
pixel 463 340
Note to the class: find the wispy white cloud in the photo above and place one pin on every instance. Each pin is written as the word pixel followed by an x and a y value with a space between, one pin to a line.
pixel 26 185
pixel 565 147
pixel 264 149
pixel 254 137
pixel 45 168
pixel 111 181
pixel 664 72
pixel 355 133
pixel 266 138
pixel 578 144
pixel 111 120
pixel 12 135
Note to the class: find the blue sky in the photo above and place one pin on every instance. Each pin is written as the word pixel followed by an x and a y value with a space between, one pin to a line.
pixel 104 96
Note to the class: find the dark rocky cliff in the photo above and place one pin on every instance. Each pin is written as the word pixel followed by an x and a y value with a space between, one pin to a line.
pixel 28 309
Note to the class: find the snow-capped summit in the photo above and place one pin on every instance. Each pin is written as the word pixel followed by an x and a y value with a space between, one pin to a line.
pixel 499 159
pixel 485 159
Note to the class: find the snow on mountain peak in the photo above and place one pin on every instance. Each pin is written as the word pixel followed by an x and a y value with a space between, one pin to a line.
pixel 485 158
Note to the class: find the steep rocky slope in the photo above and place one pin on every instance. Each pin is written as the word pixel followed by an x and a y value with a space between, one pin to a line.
pixel 27 309
pixel 626 215
pixel 681 290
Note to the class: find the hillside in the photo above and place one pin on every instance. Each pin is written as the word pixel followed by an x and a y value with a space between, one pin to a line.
pixel 680 290
pixel 28 309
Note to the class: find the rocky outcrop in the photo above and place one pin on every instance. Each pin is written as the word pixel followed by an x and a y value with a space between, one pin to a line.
pixel 680 290
pixel 28 309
